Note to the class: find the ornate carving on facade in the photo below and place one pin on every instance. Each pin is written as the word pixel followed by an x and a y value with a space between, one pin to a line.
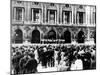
pixel 51 6
pixel 66 7
pixel 92 34
pixel 36 4
pixel 81 8
pixel 43 28
pixel 59 30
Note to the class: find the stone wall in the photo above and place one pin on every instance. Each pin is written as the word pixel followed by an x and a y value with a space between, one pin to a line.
pixel 27 31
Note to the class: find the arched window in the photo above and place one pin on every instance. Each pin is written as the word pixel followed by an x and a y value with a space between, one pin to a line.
pixel 35 36
pixel 18 36
pixel 67 37
pixel 51 34
pixel 81 37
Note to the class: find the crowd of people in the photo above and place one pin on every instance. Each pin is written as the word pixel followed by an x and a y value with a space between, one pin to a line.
pixel 26 59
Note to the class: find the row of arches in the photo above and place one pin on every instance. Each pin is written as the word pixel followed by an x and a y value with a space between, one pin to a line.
pixel 51 35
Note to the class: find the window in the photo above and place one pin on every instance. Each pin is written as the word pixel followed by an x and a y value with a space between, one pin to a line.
pixel 81 37
pixel 80 17
pixel 36 15
pixel 35 36
pixel 66 17
pixel 51 16
pixel 52 34
pixel 67 36
pixel 18 13
pixel 18 36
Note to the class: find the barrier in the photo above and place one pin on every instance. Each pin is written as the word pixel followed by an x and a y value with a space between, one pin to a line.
pixel 53 44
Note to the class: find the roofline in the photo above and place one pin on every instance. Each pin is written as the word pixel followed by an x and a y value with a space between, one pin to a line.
pixel 55 2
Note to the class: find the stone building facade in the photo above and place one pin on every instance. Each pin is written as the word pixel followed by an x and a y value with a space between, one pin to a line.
pixel 40 22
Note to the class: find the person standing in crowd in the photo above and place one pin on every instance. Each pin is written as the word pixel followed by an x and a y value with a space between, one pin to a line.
pixel 77 64
pixel 22 63
pixel 31 53
pixel 93 58
pixel 64 63
pixel 31 65
pixel 44 59
pixel 48 56
pixel 36 54
pixel 15 61
pixel 56 56
pixel 86 58
pixel 71 54
pixel 51 56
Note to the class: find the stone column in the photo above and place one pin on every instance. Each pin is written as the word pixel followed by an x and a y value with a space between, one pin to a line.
pixel 75 13
pixel 88 15
pixel 32 15
pixel 72 17
pixel 91 18
pixel 55 17
pixel 63 17
pixel 27 8
pixel 40 15
pixel 58 14
pixel 77 17
pixel 84 18
pixel 14 14
pixel 49 16
pixel 88 35
pixel 22 14
pixel 45 14
pixel 42 18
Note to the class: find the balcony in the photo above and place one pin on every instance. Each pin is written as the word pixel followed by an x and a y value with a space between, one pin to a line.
pixel 17 22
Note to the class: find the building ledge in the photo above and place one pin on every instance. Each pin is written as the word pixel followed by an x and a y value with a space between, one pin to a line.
pixel 52 24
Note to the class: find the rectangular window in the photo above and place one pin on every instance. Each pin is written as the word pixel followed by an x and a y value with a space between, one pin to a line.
pixel 51 16
pixel 80 17
pixel 66 17
pixel 36 15
pixel 18 13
